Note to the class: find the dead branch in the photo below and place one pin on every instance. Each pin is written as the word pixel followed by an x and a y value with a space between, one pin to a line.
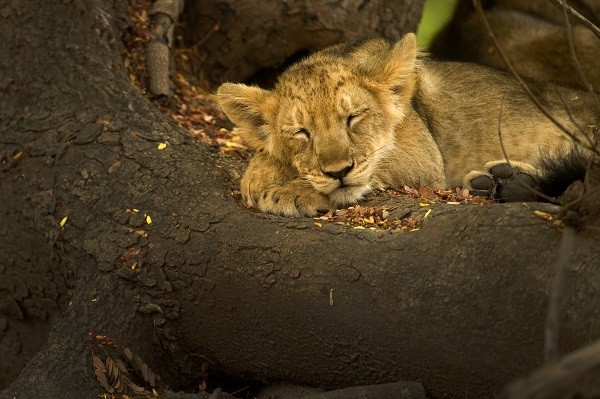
pixel 584 21
pixel 532 190
pixel 572 372
pixel 164 16
pixel 574 57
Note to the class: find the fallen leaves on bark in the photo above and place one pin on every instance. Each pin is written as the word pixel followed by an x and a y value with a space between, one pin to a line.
pixel 121 372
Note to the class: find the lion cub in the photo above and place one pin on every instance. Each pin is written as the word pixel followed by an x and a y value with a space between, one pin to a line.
pixel 371 115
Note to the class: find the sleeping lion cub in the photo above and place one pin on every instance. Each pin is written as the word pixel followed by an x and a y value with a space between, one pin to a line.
pixel 369 115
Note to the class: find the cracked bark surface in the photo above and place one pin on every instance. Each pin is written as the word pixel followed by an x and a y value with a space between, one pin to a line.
pixel 458 305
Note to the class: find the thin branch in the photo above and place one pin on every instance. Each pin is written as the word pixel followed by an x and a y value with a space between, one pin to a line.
pixel 584 21
pixel 532 190
pixel 500 132
pixel 548 380
pixel 582 76
pixel 215 28
pixel 588 86
pixel 570 114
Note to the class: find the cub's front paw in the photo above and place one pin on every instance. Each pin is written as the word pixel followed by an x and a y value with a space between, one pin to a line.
pixel 289 201
pixel 516 181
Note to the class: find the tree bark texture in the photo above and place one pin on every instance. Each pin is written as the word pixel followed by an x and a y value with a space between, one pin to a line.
pixel 238 38
pixel 459 305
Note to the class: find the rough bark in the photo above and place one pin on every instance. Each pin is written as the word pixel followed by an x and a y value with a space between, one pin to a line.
pixel 238 38
pixel 458 305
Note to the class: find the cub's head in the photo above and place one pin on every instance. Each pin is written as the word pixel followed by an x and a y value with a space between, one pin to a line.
pixel 331 116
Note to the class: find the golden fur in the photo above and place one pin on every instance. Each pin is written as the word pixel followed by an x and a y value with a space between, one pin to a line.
pixel 353 118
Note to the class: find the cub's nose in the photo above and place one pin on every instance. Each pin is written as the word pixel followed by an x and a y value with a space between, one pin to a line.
pixel 337 173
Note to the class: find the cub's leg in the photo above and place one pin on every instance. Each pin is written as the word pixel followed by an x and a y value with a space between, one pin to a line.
pixel 516 181
pixel 276 188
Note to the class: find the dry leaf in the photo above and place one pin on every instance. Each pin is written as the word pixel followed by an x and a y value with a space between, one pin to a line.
pixel 426 193
pixel 543 215
pixel 130 253
pixel 113 369
pixel 411 190
pixel 202 386
pixel 114 166
pixel 101 377
pixel 98 364
pixel 135 388
pixel 145 372
pixel 151 378
pixel 109 366
pixel 118 385
pixel 122 367
pixel 128 354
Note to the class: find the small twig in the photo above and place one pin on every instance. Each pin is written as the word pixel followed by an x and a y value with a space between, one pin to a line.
pixel 582 76
pixel 215 28
pixel 532 190
pixel 513 71
pixel 240 390
pixel 552 327
pixel 500 132
pixel 584 21
pixel 571 116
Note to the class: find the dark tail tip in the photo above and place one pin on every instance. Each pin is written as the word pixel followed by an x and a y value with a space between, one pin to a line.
pixel 560 172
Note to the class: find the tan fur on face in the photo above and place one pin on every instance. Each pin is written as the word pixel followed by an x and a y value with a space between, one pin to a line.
pixel 357 117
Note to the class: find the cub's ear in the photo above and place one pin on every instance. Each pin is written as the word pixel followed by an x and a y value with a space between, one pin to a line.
pixel 401 60
pixel 395 66
pixel 245 106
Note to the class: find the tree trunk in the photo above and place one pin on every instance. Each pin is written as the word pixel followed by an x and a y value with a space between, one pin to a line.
pixel 237 39
pixel 157 253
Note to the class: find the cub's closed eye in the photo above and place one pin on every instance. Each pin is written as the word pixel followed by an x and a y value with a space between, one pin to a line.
pixel 355 117
pixel 302 134
pixel 351 119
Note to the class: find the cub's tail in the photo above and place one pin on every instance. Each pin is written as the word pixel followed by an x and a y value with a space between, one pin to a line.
pixel 560 172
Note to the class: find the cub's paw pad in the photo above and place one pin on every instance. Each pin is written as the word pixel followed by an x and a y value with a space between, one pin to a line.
pixel 503 182
pixel 484 183
pixel 504 171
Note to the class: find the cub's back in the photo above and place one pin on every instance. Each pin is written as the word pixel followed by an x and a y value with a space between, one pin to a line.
pixel 468 107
